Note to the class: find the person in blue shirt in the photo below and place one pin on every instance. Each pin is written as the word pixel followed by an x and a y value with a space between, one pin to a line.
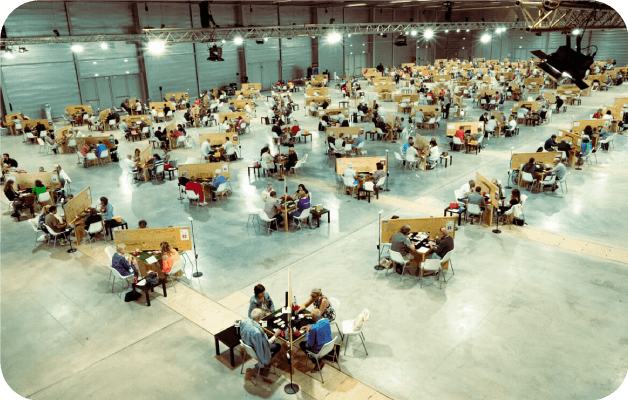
pixel 318 334
pixel 253 335
pixel 232 107
pixel 122 265
pixel 302 204
pixel 107 215
pixel 220 179
pixel 261 300
pixel 100 148
pixel 409 143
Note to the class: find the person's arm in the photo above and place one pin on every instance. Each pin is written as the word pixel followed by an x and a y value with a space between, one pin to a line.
pixel 271 305
pixel 305 305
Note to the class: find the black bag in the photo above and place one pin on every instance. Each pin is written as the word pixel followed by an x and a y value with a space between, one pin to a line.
pixel 132 296
pixel 518 222
pixel 152 278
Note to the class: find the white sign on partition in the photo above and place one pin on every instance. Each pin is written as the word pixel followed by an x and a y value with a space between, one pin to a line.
pixel 576 124
pixel 449 226
pixel 450 126
pixel 54 178
pixel 560 134
pixel 184 233
pixel 225 167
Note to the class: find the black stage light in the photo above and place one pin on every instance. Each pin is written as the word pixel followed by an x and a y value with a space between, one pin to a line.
pixel 215 53
pixel 566 63
pixel 401 40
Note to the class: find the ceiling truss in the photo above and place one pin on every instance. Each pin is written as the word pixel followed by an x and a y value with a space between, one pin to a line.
pixel 204 35
pixel 552 16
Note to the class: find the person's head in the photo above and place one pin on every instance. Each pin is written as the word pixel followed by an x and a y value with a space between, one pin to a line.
pixel 41 169
pixel 478 189
pixel 405 229
pixel 608 112
pixel 316 314
pixel 433 142
pixel 471 183
pixel 379 166
pixel 410 140
pixel 443 232
pixel 104 201
pixel 259 291
pixel 316 293
pixel 588 128
pixel 492 117
pixel 256 314
pixel 269 187
pixel 585 139
pixel 485 114
pixel 554 137
pixel 93 211
pixel 165 247
pixel 531 161
pixel 38 183
pixel 515 194
pixel 52 210
pixel 121 248
pixel 5 156
pixel 142 224
pixel 100 142
pixel 349 165
pixel 495 182
pixel 8 184
pixel 273 194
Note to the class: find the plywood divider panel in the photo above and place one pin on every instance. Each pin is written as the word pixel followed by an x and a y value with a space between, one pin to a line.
pixel 532 105
pixel 240 104
pixel 323 91
pixel 493 193
pixel 33 122
pixel 219 138
pixel 49 179
pixel 333 111
pixel 206 170
pixel 400 97
pixel 429 225
pixel 573 138
pixel 578 126
pixel 159 105
pixel 316 99
pixel 136 119
pixel 546 157
pixel 77 205
pixel 151 239
pixel 85 108
pixel 474 127
pixel 616 112
pixel 384 88
pixel 446 78
pixel 346 130
pixel 178 96
pixel 620 101
pixel 428 111
pixel 360 164
pixel 530 81
pixel 319 77
pixel 145 154
pixel 252 86
pixel 234 115
pixel 103 118
pixel 93 140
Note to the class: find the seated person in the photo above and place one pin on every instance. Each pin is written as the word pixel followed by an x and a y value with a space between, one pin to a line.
pixel 378 174
pixel 253 335
pixel 604 134
pixel 564 146
pixel 302 204
pixel 530 166
pixel 550 143
pixel 278 131
pixel 8 161
pixel 197 188
pixel 57 224
pixel 261 300
pixel 218 180
pixel 54 146
pixel 268 161
pixel 321 303
pixel 400 242
pixel 559 170
pixel 273 208
pixel 444 245
pixel 206 150
pixel 266 192
pixel 350 173
pixel 292 158
pixel 515 198
pixel 477 199
pixel 39 188
pixel 434 152
pixel 16 199
pixel 359 140
pixel 467 189
pixel 124 264
pixel 169 256
pixel 318 334
pixel 228 147
pixel 100 148
pixel 93 217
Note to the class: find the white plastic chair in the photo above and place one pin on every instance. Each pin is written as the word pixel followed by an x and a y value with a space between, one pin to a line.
pixel 474 210
pixel 178 266
pixel 104 155
pixel 53 235
pixel 96 228
pixel 348 330
pixel 192 197
pixel 251 352
pixel 42 145
pixel 268 221
pixel 221 190
pixel 326 349
pixel 349 183
pixel 115 275
pixel 398 258
pixel 436 265
pixel 34 223
pixel 110 251
pixel 305 215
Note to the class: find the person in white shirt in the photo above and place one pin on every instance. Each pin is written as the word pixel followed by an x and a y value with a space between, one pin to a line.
pixel 206 149
pixel 153 113
pixel 349 172
pixel 271 102
pixel 411 155
pixel 266 192
pixel 228 145
pixel 467 188
pixel 64 179
pixel 419 116
pixel 434 152
pixel 608 115
pixel 491 125
pixel 240 97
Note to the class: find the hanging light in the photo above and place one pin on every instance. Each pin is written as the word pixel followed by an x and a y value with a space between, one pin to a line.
pixel 334 37
pixel 238 41
pixel 576 32
pixel 485 38
pixel 429 34
pixel 104 46
pixel 156 47
pixel 77 48
pixel 413 33
pixel 9 53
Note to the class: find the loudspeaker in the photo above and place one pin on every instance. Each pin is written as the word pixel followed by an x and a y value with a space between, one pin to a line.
pixel 204 9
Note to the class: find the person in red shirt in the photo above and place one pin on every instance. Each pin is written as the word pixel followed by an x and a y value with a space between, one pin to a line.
pixel 295 129
pixel 460 135
pixel 197 188
pixel 599 114
pixel 240 124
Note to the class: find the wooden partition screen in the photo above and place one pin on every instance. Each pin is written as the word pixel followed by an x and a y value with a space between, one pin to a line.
pixel 234 115
pixel 93 140
pixel 206 170
pixel 493 194
pixel 360 164
pixel 219 138
pixel 85 108
pixel 578 126
pixel 151 239
pixel 77 205
pixel 346 130
pixel 621 102
pixel 178 96
pixel 474 127
pixel 546 157
pixel 49 179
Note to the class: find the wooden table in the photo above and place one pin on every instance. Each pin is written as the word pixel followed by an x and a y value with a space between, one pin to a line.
pixel 316 215
pixel 151 288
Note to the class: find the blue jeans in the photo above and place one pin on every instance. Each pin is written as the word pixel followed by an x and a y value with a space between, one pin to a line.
pixel 435 256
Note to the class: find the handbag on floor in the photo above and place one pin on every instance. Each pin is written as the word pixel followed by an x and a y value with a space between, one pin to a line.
pixel 132 296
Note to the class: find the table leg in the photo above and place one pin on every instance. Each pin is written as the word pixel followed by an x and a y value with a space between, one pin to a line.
pixel 328 218
pixel 163 285
pixel 231 357
pixel 148 298
pixel 250 172
pixel 217 346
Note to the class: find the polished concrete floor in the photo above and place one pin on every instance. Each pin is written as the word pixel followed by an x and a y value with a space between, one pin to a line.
pixel 520 319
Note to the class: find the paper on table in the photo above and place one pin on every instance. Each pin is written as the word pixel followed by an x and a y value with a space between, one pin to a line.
pixel 424 249
pixel 151 260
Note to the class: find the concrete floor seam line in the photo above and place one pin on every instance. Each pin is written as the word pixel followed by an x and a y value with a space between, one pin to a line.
pixel 102 359
pixel 58 322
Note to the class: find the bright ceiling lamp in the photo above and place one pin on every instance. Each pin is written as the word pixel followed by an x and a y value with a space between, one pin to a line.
pixel 156 47
pixel 429 34
pixel 9 54
pixel 104 46
pixel 334 37
pixel 238 41
pixel 413 33
pixel 485 38
pixel 77 48
pixel 576 31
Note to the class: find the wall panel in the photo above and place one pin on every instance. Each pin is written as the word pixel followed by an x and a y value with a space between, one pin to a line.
pixel 31 86
pixel 102 18
pixel 331 58
pixel 259 15
pixel 296 57
pixel 223 14
pixel 38 53
pixel 108 67
pixel 294 15
pixel 37 19
pixel 174 70
pixel 171 15
pixel 611 45
pixel 215 74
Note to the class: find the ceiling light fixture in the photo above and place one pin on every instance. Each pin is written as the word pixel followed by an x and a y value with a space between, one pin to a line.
pixel 334 37
pixel 429 34
pixel 238 41
pixel 485 38
pixel 576 32
pixel 446 30
pixel 9 53
pixel 156 47
pixel 104 46
pixel 77 48
pixel 22 50
pixel 413 33
pixel 356 5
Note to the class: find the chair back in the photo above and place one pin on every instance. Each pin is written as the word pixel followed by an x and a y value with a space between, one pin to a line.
pixel 262 215
pixel 474 209
pixel 457 140
pixel 335 303
pixel 458 194
pixel 526 177
pixel 43 197
pixel 110 251
pixel 249 350
pixel 348 181
pixel 396 257
pixel 305 213
pixel 41 142
pixel 159 169
pixel 398 156
pixel 191 195
pixel 112 122
pixel 95 227
pixel 104 153
pixel 326 349
pixel 176 267
pixel 446 257
pixel 34 223
pixel 381 182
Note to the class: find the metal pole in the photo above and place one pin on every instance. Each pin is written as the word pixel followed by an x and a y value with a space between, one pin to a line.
pixel 387 172
pixel 195 274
